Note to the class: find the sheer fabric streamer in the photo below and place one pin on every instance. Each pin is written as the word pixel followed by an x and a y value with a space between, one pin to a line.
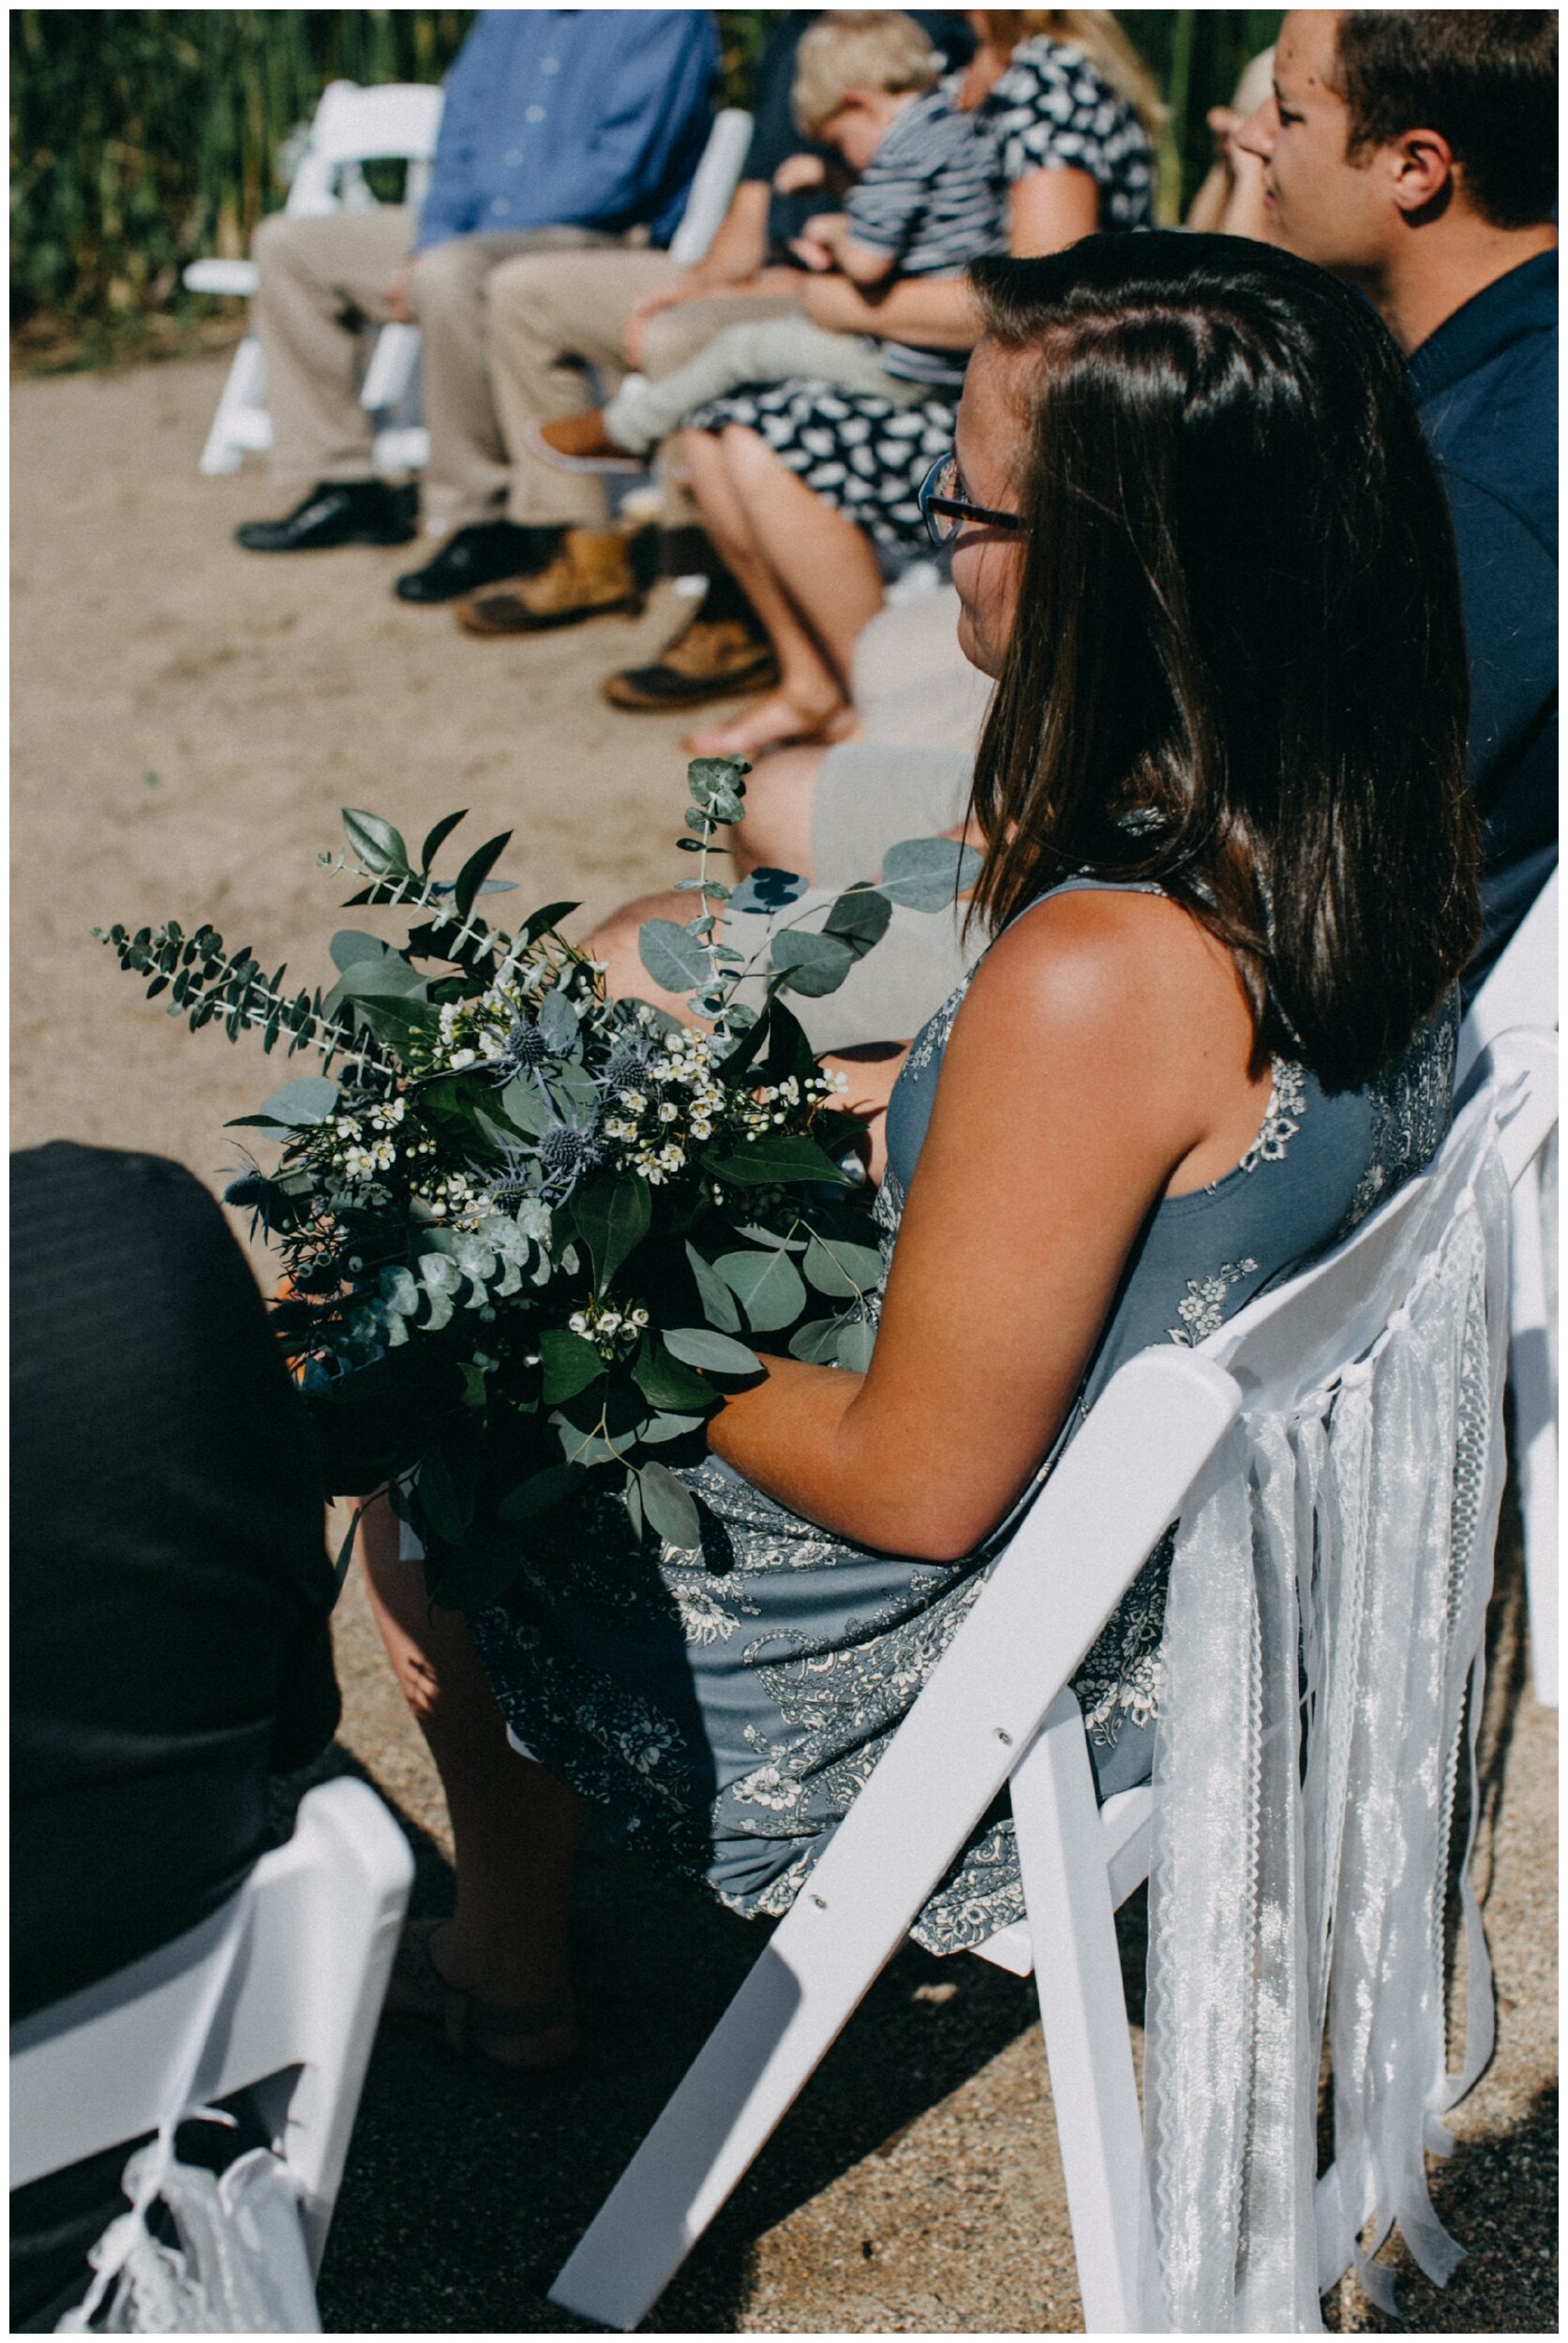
pixel 1323 1649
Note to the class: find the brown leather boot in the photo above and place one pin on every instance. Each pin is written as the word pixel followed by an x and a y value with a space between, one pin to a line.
pixel 714 658
pixel 596 571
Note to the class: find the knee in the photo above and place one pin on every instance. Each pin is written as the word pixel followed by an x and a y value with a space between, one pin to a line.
pixel 444 280
pixel 280 244
pixel 780 795
pixel 523 294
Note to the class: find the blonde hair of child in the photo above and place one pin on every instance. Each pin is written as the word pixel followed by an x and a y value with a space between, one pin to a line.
pixel 857 48
pixel 1102 41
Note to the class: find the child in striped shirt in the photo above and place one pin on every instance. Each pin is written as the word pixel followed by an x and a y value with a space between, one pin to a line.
pixel 925 203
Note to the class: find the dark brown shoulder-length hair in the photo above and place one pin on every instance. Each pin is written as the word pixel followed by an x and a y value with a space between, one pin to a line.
pixel 1238 663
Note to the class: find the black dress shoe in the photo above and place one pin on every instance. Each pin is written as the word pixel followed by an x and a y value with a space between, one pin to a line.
pixel 478 556
pixel 338 513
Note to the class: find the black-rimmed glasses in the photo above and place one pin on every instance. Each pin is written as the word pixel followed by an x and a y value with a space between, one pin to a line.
pixel 945 508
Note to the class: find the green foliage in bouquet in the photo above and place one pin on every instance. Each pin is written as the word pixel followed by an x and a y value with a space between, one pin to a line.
pixel 532 1235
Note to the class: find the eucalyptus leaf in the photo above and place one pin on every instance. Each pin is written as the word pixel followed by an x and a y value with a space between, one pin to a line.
pixel 855 1343
pixel 768 889
pixel 663 1427
pixel 816 1342
pixel 612 1216
pixel 541 1493
pixel 717 1302
pixel 387 978
pixel 476 869
pixel 298 1106
pixel 860 918
pixel 699 1346
pixel 768 1286
pixel 352 944
pixel 570 1363
pixel 665 1381
pixel 810 964
pixel 670 1508
pixel 558 1028
pixel 522 1105
pixel 440 1500
pixel 844 1270
pixel 777 1160
pixel 376 845
pixel 927 873
pixel 673 958
pixel 437 838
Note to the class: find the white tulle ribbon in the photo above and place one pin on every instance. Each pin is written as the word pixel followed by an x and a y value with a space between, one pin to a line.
pixel 1322 1656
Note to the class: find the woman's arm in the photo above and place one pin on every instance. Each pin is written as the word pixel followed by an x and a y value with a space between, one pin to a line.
pixel 1046 211
pixel 1103 1043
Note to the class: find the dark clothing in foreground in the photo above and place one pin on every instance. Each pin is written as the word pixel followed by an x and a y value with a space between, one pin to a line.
pixel 168 1610
pixel 1486 388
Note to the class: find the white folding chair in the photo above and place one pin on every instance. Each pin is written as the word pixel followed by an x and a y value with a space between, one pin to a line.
pixel 393 120
pixel 293 2029
pixel 998 1712
pixel 1521 993
pixel 354 127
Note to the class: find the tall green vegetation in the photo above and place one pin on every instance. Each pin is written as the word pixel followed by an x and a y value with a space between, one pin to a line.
pixel 143 137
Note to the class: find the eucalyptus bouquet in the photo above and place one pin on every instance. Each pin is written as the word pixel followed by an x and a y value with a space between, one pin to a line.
pixel 530 1235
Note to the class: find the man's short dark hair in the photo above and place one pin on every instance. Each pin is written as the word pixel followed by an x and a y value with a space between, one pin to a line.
pixel 1486 78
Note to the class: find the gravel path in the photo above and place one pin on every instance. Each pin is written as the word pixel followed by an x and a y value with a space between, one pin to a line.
pixel 186 721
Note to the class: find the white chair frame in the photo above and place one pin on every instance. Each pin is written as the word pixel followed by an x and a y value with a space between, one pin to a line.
pixel 294 2029
pixel 1521 994
pixel 997 1710
pixel 394 121
pixel 401 120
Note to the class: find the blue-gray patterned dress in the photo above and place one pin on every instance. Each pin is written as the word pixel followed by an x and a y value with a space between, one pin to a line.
pixel 723 1709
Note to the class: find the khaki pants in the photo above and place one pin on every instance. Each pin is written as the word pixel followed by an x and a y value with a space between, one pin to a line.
pixel 552 315
pixel 321 278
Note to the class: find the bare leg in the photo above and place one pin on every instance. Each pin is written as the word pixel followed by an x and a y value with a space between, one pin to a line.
pixel 776 833
pixel 512 1825
pixel 824 563
pixel 811 695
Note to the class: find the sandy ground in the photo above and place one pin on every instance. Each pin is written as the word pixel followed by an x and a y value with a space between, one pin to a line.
pixel 188 719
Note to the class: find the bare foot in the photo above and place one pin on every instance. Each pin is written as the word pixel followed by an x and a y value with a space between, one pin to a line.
pixel 774 723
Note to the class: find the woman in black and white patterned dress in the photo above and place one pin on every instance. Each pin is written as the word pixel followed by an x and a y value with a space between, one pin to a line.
pixel 809 492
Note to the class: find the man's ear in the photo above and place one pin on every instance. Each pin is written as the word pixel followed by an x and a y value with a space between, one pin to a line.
pixel 1422 165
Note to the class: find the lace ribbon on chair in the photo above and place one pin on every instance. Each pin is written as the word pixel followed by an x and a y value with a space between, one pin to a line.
pixel 1323 1652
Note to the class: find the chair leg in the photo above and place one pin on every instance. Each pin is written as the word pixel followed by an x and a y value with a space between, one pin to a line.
pixel 1530 1370
pixel 242 393
pixel 754 2064
pixel 1078 1976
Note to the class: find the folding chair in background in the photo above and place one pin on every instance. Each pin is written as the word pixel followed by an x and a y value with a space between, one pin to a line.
pixel 277 1994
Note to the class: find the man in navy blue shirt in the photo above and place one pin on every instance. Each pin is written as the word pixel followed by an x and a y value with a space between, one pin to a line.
pixel 1414 152
pixel 562 127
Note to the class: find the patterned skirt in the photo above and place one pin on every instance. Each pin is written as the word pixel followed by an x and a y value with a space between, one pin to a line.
pixel 723 1709
pixel 864 455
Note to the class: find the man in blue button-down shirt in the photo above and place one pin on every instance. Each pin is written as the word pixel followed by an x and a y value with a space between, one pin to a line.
pixel 561 127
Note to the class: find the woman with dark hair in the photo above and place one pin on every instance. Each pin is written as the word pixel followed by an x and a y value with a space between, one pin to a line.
pixel 1200 544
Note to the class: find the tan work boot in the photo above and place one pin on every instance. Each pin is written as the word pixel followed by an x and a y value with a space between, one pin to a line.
pixel 593 574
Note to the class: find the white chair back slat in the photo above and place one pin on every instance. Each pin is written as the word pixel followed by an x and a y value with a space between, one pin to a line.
pixel 713 183
pixel 1522 988
pixel 390 122
pixel 92 2072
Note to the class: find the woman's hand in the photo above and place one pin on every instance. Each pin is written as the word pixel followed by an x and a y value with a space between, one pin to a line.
pixel 937 311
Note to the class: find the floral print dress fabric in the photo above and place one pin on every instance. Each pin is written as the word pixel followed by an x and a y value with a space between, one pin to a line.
pixel 723 1709
pixel 1052 110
